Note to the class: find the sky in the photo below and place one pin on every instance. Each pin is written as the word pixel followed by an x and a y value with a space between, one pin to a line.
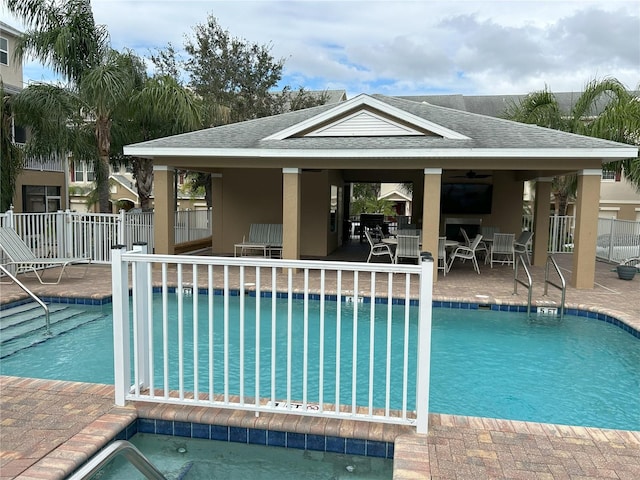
pixel 397 47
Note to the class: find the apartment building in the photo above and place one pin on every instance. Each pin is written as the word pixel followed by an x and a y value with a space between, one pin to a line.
pixel 41 186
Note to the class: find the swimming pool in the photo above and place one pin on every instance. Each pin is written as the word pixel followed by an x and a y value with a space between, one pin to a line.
pixel 184 458
pixel 576 371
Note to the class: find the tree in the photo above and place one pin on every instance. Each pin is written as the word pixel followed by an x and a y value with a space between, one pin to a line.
pixel 231 72
pixel 606 109
pixel 10 153
pixel 160 108
pixel 365 200
pixel 107 99
pixel 234 79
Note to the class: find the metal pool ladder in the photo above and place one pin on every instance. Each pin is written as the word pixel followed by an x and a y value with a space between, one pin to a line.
pixel 32 295
pixel 562 286
pixel 128 451
pixel 520 260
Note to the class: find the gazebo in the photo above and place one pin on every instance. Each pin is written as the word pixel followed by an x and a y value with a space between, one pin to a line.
pixel 294 168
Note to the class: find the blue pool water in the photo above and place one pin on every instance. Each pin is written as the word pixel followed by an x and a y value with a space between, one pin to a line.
pixel 575 371
pixel 188 458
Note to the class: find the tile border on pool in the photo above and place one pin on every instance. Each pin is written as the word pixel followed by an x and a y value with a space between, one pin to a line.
pixel 257 436
pixel 452 304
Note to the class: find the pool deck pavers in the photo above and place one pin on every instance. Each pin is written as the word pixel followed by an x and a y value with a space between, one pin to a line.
pixel 48 428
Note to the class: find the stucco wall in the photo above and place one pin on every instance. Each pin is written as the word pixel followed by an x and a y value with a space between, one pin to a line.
pixel 255 196
pixel 248 196
pixel 38 178
pixel 11 74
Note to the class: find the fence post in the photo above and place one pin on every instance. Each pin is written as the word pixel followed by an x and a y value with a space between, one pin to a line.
pixel 188 224
pixel 423 367
pixel 121 228
pixel 120 301
pixel 140 289
pixel 9 219
pixel 67 228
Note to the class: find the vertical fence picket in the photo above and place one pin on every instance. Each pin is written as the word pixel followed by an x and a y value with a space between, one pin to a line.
pixel 364 378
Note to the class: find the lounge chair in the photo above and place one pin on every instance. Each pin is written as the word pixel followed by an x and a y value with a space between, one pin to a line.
pixel 25 260
pixel 377 249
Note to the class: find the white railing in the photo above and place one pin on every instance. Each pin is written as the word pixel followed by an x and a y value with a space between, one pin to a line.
pixel 618 240
pixel 137 228
pixel 237 333
pixel 192 225
pixel 561 229
pixel 69 234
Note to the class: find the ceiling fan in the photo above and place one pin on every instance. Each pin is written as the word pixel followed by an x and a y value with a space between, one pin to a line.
pixel 473 175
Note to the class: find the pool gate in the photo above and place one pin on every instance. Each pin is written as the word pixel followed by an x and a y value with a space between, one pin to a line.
pixel 381 316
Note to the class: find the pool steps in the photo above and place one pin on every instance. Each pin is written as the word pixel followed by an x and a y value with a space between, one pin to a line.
pixel 23 326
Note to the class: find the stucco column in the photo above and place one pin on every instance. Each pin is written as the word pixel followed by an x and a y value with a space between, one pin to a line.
pixel 217 245
pixel 586 232
pixel 540 245
pixel 291 206
pixel 431 214
pixel 164 208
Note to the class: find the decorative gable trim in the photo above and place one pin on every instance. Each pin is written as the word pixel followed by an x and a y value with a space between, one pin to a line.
pixel 364 123
pixel 365 116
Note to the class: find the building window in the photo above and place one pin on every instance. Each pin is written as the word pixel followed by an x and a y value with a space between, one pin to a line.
pixel 90 175
pixel 40 199
pixel 609 176
pixel 78 171
pixel 4 51
pixel 83 172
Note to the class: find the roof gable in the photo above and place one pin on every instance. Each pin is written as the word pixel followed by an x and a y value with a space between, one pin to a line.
pixel 365 116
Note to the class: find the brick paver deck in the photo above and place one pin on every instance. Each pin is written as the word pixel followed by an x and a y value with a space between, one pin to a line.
pixel 48 428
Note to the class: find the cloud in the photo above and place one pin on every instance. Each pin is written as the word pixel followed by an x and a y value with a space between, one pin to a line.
pixel 408 47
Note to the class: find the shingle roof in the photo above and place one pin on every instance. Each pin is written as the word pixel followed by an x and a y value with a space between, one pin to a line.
pixel 496 105
pixel 483 132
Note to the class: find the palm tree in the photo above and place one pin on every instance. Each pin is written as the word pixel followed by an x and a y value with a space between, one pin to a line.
pixel 605 109
pixel 107 100
pixel 160 108
pixel 11 156
pixel 77 118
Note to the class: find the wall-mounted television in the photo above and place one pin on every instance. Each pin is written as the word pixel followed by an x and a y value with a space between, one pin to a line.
pixel 472 198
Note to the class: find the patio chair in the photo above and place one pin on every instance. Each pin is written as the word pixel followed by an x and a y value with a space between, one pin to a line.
pixel 482 247
pixel 467 253
pixel 258 240
pixel 408 247
pixel 377 249
pixel 521 245
pixel 25 260
pixel 442 255
pixel 502 249
pixel 487 232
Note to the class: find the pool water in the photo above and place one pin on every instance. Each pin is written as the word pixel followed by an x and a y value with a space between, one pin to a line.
pixel 575 371
pixel 183 459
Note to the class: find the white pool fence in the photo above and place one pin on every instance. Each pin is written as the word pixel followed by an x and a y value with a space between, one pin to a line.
pixel 67 233
pixel 226 347
pixel 76 234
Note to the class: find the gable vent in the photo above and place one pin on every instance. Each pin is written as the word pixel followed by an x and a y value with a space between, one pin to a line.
pixel 363 124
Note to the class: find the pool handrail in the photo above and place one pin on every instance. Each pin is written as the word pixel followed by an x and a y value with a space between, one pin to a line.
pixel 529 283
pixel 32 295
pixel 563 284
pixel 128 451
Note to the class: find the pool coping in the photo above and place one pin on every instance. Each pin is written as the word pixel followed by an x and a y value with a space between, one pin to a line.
pixel 414 455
